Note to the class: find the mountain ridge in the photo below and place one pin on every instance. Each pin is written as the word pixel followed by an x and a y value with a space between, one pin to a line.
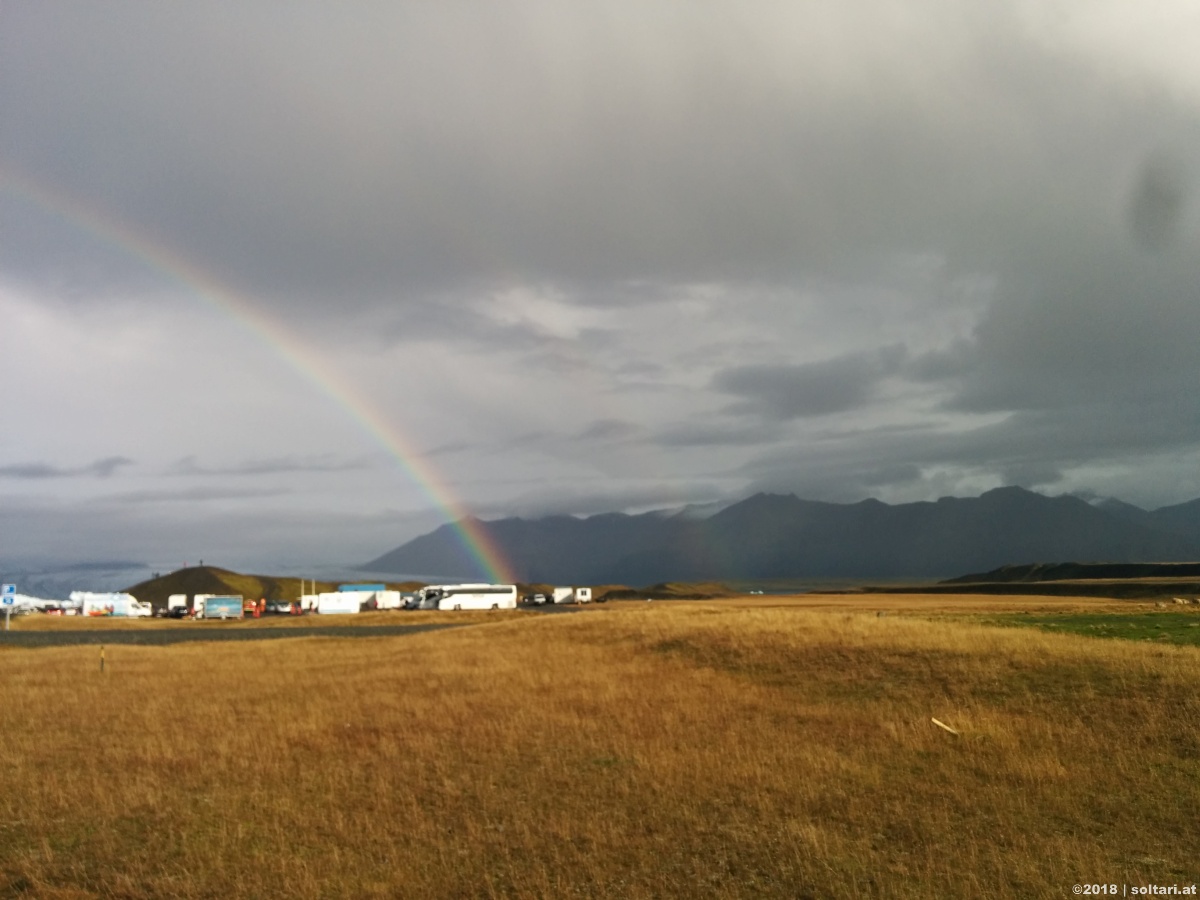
pixel 784 536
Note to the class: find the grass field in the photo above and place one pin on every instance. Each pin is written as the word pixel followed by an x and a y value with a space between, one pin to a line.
pixel 765 748
pixel 1170 627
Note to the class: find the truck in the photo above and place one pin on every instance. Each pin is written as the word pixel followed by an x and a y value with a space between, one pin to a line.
pixel 217 606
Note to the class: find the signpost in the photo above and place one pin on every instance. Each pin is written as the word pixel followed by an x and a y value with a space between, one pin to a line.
pixel 8 596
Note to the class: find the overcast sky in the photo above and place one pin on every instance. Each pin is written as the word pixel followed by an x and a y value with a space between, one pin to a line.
pixel 581 258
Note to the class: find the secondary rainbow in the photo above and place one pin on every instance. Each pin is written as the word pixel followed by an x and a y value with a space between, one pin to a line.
pixel 471 533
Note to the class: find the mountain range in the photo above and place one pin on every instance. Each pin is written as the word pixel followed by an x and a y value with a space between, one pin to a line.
pixel 772 536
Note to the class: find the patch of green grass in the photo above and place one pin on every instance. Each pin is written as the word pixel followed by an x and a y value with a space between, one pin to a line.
pixel 1164 627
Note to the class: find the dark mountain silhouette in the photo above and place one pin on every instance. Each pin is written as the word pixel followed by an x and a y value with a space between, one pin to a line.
pixel 782 536
pixel 1036 573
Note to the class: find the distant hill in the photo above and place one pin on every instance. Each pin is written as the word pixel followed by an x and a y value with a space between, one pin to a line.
pixel 213 580
pixel 781 536
pixel 1042 572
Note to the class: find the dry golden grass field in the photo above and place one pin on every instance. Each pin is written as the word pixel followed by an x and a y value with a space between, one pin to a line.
pixel 756 748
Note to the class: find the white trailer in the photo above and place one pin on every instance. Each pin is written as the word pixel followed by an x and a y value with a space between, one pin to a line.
pixel 177 601
pixel 375 598
pixel 339 603
pixel 388 600
pixel 468 596
pixel 572 595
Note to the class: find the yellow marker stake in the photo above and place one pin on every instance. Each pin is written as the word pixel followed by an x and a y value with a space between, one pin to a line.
pixel 101 657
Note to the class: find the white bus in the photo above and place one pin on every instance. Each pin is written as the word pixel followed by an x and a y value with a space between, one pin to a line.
pixel 469 596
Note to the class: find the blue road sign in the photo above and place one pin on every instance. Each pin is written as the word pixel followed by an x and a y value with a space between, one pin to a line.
pixel 8 594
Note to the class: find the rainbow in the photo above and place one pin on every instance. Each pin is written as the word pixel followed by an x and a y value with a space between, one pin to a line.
pixel 469 530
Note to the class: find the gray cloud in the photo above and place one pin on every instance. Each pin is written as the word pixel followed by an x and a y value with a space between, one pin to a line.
pixel 608 429
pixel 189 495
pixel 707 433
pixel 579 500
pixel 101 468
pixel 1157 203
pixel 1031 449
pixel 344 159
pixel 548 254
pixel 275 466
pixel 810 389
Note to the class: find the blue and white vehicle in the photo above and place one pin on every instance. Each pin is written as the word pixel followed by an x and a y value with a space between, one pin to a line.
pixel 217 606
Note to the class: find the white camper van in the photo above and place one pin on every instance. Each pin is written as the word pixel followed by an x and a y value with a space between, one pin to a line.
pixel 110 604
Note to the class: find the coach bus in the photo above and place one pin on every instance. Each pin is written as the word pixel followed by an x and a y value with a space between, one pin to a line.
pixel 469 596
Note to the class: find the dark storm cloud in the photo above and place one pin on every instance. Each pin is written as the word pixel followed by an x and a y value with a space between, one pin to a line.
pixel 314 153
pixel 101 468
pixel 1112 332
pixel 810 389
pixel 1031 449
pixel 624 191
